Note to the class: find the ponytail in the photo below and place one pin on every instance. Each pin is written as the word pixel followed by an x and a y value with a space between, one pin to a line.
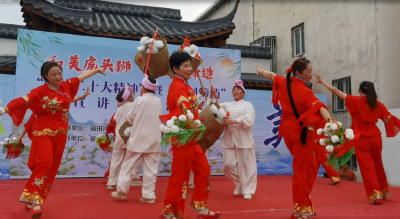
pixel 298 66
pixel 368 89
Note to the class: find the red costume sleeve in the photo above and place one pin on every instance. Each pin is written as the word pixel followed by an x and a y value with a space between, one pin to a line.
pixel 111 126
pixel 351 102
pixel 392 123
pixel 278 80
pixel 29 124
pixel 17 108
pixel 73 85
pixel 179 97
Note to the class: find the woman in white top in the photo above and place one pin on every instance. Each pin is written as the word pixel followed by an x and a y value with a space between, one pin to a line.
pixel 238 143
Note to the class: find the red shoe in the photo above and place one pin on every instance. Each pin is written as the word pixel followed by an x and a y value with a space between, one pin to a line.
pixel 28 208
pixel 36 214
pixel 208 216
pixel 298 216
pixel 378 202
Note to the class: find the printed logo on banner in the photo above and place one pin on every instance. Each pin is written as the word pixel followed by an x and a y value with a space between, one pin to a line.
pixel 4 170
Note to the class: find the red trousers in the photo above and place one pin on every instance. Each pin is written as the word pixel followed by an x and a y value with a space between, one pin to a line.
pixel 303 175
pixel 186 158
pixel 369 156
pixel 321 159
pixel 44 160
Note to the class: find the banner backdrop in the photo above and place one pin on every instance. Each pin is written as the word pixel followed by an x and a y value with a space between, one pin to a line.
pixel 89 117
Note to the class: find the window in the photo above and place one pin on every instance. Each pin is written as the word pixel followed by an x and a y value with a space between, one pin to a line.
pixel 298 40
pixel 343 84
pixel 269 42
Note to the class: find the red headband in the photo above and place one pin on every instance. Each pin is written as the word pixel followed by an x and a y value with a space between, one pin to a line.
pixel 289 70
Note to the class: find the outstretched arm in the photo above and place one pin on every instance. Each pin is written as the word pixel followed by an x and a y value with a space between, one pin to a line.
pixel 331 88
pixel 265 74
pixel 81 97
pixel 90 73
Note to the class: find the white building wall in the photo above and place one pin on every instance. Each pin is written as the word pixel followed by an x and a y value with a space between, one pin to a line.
pixel 8 47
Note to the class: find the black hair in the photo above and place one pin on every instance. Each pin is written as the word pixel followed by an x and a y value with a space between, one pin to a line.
pixel 44 70
pixel 119 96
pixel 298 66
pixel 368 89
pixel 177 58
pixel 153 81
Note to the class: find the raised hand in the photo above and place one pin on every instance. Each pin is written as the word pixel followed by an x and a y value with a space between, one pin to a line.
pixel 259 70
pixel 319 80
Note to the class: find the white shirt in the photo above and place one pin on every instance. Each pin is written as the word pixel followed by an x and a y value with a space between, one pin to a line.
pixel 239 135
pixel 144 116
pixel 120 119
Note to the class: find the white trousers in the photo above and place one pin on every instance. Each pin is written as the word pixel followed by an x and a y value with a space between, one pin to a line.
pixel 245 175
pixel 115 166
pixel 150 170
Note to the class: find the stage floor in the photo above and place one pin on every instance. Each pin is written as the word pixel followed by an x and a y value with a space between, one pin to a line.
pixel 89 199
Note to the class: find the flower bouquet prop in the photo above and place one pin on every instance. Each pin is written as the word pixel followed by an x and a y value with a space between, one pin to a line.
pixel 153 56
pixel 339 143
pixel 182 129
pixel 12 147
pixel 105 143
pixel 2 132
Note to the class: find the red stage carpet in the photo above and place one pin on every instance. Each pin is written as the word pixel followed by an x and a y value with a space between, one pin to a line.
pixel 89 199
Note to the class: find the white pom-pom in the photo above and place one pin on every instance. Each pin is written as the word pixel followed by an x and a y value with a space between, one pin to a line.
pixel 322 142
pixel 328 125
pixel 170 123
pixel 144 40
pixel 349 131
pixel 335 139
pixel 174 118
pixel 141 48
pixel 155 50
pixel 182 118
pixel 193 49
pixel 7 140
pixel 319 131
pixel 15 139
pixel 161 128
pixel 127 131
pixel 187 50
pixel 167 130
pixel 148 50
pixel 2 111
pixel 198 123
pixel 149 41
pixel 175 129
pixel 350 136
pixel 214 109
pixel 334 127
pixel 329 148
pixel 190 115
pixel 159 44
pixel 1 143
pixel 340 124
pixel 221 113
pixel 199 111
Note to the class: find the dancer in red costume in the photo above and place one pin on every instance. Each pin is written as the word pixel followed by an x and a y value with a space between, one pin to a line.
pixel 50 102
pixel 301 111
pixel 365 111
pixel 187 157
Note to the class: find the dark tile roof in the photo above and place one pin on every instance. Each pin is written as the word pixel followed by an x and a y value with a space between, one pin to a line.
pixel 120 8
pixel 251 78
pixel 251 51
pixel 10 30
pixel 8 61
pixel 119 18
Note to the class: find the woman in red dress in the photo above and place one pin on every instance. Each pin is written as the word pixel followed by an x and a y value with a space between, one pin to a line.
pixel 50 103
pixel 301 112
pixel 365 111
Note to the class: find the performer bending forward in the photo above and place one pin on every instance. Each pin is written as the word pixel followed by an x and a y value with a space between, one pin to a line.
pixel 238 143
pixel 50 103
pixel 365 112
pixel 300 111
pixel 144 142
pixel 187 157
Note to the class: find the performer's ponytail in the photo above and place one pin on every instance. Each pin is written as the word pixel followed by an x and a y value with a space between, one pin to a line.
pixel 368 89
pixel 298 66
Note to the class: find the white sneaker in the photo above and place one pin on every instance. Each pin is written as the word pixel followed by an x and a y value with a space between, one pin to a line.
pixel 116 195
pixel 111 187
pixel 136 183
pixel 147 200
pixel 248 196
pixel 191 186
pixel 237 191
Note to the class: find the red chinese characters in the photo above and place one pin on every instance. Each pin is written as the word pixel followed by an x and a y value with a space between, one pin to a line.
pixel 123 65
pixel 53 58
pixel 107 65
pixel 74 63
pixel 207 73
pixel 90 63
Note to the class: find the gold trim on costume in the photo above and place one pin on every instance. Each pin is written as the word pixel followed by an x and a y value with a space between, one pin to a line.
pixel 184 190
pixel 199 205
pixel 182 99
pixel 34 198
pixel 168 210
pixel 315 102
pixel 335 179
pixel 50 132
pixel 374 196
pixel 26 98
pixel 311 128
pixel 303 209
pixel 386 192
